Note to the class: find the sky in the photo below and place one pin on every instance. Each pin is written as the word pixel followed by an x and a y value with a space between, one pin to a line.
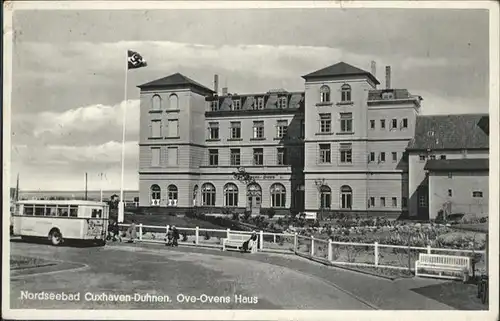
pixel 68 71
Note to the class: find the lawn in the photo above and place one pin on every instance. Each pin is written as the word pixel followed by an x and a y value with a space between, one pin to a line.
pixel 164 220
pixel 22 262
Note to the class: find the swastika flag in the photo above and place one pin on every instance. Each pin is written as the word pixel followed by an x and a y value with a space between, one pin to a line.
pixel 135 60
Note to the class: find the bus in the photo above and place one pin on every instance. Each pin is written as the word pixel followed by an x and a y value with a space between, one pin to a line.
pixel 61 220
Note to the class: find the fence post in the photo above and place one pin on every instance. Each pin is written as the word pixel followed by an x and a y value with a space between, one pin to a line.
pixel 274 238
pixel 376 253
pixel 166 232
pixel 227 233
pixel 197 235
pixel 295 243
pixel 330 254
pixel 429 251
pixel 261 243
pixel 312 245
pixel 140 232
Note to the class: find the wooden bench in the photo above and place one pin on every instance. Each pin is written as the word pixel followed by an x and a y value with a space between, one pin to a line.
pixel 458 266
pixel 235 242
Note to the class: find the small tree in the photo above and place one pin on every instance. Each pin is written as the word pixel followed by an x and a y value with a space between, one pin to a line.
pixel 270 213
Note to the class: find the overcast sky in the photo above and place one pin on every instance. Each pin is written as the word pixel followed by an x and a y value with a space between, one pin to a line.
pixel 68 71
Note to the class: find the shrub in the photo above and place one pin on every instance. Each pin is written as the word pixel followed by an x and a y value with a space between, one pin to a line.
pixel 270 213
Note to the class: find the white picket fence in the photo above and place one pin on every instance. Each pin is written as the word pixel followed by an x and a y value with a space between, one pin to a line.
pixel 326 251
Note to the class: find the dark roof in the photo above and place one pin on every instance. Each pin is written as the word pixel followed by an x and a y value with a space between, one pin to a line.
pixel 294 100
pixel 484 124
pixel 398 94
pixel 438 132
pixel 339 70
pixel 176 80
pixel 462 164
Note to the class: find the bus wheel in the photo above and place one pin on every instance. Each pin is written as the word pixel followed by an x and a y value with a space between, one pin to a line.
pixel 101 242
pixel 55 237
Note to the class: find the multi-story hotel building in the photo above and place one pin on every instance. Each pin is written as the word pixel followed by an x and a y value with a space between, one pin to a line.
pixel 339 146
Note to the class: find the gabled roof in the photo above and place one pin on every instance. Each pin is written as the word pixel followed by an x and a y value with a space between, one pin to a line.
pixel 175 81
pixel 463 164
pixel 438 132
pixel 338 70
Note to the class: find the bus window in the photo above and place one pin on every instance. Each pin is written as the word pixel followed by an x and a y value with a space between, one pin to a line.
pixel 96 213
pixel 73 211
pixel 28 209
pixel 51 210
pixel 39 210
pixel 62 211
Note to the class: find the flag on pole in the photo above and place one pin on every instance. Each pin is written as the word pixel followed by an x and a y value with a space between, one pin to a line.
pixel 135 60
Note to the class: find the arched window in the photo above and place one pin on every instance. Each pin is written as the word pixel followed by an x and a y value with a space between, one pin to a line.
pixel 346 92
pixel 195 194
pixel 208 194
pixel 346 197
pixel 325 196
pixel 155 195
pixel 173 102
pixel 172 195
pixel 230 195
pixel 278 195
pixel 156 102
pixel 325 94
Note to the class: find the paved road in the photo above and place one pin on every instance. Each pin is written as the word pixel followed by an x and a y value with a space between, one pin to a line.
pixel 169 275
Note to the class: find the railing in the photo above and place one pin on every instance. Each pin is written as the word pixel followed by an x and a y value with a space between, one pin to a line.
pixel 327 251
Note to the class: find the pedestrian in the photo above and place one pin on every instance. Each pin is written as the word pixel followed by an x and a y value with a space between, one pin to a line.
pixel 132 232
pixel 175 236
pixel 169 237
pixel 116 232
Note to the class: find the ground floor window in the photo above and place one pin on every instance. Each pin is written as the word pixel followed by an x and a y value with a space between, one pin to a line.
pixel 325 197
pixel 208 194
pixel 230 195
pixel 346 197
pixel 477 194
pixel 422 201
pixel 155 195
pixel 278 195
pixel 172 195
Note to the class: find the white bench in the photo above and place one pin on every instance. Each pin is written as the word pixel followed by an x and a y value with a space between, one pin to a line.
pixel 458 266
pixel 235 242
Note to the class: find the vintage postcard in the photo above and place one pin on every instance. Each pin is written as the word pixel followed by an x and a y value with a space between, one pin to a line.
pixel 250 160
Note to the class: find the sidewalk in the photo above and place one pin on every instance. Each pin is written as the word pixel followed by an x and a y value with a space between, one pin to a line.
pixel 381 293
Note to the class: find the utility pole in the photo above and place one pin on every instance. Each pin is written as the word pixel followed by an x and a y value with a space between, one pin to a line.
pixel 101 184
pixel 85 185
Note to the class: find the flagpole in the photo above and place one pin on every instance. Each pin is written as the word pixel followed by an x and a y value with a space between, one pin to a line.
pixel 121 204
pixel 101 187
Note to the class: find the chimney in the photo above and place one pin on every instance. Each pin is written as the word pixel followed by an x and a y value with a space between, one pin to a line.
pixel 216 84
pixel 388 77
pixel 374 70
pixel 224 91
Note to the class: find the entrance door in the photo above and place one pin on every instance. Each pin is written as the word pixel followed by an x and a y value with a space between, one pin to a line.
pixel 254 199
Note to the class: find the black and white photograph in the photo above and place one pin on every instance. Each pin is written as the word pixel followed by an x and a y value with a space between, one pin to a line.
pixel 250 160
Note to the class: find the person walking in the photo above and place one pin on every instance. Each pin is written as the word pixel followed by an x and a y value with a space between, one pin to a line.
pixel 132 232
pixel 169 237
pixel 175 236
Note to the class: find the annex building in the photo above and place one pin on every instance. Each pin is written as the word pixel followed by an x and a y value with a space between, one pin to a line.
pixel 338 146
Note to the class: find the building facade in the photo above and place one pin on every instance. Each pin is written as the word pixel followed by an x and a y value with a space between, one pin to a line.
pixel 339 146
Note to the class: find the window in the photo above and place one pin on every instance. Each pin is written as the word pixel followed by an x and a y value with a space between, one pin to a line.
pixel 325 196
pixel 442 157
pixel 325 154
pixel 324 94
pixel 173 128
pixel 477 194
pixel 382 157
pixel 50 211
pixel 346 93
pixel 39 210
pixel 155 195
pixel 281 159
pixel 394 124
pixel 422 201
pixel 258 129
pixel 404 202
pixel 371 202
pixel 450 193
pixel 346 153
pixel 432 156
pixel 230 195
pixel 281 128
pixel 372 156
pixel 95 213
pixel 236 105
pixel 260 103
pixel 422 158
pixel 235 156
pixel 282 102
pixel 213 157
pixel 155 156
pixel 382 123
pixel 156 102
pixel 214 105
pixel 382 202
pixel 394 156
pixel 325 123
pixel 346 122
pixel 208 194
pixel 258 156
pixel 278 195
pixel 172 155
pixel 235 130
pixel 302 128
pixel 172 195
pixel 405 123
pixel 156 128
pixel 73 210
pixel 173 102
pixel 213 130
pixel 346 197
pixel 394 202
pixel 372 124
